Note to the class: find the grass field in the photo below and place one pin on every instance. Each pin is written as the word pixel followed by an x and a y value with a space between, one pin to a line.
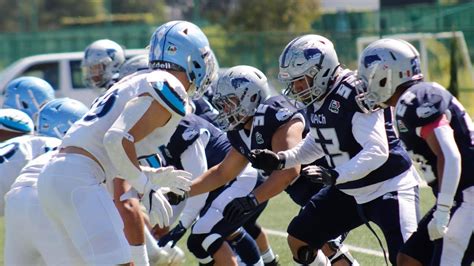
pixel 276 217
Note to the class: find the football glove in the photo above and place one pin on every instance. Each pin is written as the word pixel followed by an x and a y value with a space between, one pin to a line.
pixel 267 160
pixel 238 207
pixel 438 226
pixel 178 181
pixel 319 174
pixel 158 208
pixel 173 236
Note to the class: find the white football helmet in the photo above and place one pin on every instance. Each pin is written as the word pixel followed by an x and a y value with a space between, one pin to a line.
pixel 101 63
pixel 312 58
pixel 237 94
pixel 385 65
pixel 132 65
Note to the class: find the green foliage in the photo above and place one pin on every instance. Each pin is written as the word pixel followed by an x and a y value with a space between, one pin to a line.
pixel 273 15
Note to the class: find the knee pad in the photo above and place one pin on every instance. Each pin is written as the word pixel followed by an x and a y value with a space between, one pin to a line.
pixel 253 229
pixel 203 245
pixel 305 255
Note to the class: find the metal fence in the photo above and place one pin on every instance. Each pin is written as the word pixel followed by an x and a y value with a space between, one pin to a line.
pixel 260 49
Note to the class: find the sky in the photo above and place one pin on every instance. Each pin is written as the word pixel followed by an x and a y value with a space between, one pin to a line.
pixel 335 5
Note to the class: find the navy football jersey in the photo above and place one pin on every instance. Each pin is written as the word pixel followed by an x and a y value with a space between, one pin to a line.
pixel 423 104
pixel 188 130
pixel 331 121
pixel 270 115
pixel 203 108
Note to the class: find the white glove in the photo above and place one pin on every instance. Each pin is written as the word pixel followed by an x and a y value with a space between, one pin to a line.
pixel 438 226
pixel 178 181
pixel 157 206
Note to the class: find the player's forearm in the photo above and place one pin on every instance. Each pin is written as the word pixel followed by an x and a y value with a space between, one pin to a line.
pixel 133 221
pixel 208 181
pixel 275 184
pixel 449 165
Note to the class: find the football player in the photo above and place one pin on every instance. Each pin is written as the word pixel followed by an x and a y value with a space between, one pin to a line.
pixel 28 94
pixel 369 175
pixel 101 63
pixel 252 121
pixel 54 119
pixel 25 241
pixel 196 146
pixel 134 116
pixel 434 125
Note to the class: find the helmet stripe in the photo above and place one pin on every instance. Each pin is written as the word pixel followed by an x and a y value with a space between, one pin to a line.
pixel 283 61
pixel 164 39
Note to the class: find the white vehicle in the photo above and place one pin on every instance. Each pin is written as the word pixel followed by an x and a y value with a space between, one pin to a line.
pixel 61 70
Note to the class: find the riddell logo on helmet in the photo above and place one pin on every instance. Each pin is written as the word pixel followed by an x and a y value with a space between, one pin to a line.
pixel 160 65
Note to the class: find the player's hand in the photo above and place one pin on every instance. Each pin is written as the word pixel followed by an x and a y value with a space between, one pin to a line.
pixel 438 226
pixel 239 206
pixel 178 181
pixel 173 236
pixel 158 208
pixel 267 160
pixel 319 174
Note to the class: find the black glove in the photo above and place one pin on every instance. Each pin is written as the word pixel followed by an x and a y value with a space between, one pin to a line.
pixel 239 206
pixel 174 235
pixel 319 174
pixel 175 199
pixel 267 160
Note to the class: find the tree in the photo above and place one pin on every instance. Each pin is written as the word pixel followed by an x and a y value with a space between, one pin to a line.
pixel 274 15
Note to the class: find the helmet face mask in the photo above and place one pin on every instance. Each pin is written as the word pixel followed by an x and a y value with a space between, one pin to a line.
pixel 101 63
pixel 96 75
pixel 182 46
pixel 237 95
pixel 313 58
pixel 384 66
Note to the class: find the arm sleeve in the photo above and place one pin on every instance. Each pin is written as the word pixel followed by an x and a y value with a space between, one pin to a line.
pixel 369 132
pixel 452 165
pixel 194 161
pixel 307 151
pixel 119 131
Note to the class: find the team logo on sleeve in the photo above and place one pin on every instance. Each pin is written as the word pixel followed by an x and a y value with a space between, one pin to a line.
pixel 426 110
pixel 334 106
pixel 401 126
pixel 259 138
pixel 189 133
pixel 283 114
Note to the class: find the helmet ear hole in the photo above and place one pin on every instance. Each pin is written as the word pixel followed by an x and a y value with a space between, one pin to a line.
pixel 24 104
pixel 326 73
pixel 253 98
pixel 382 82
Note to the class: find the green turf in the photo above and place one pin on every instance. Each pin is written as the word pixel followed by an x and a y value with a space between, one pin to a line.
pixel 277 216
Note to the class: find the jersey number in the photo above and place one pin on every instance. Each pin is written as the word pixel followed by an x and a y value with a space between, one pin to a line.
pixel 102 106
pixel 327 139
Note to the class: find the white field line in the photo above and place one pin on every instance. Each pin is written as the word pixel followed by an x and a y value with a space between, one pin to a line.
pixel 350 247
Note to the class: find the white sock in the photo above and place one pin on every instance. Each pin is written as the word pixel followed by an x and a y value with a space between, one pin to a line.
pixel 155 253
pixel 268 255
pixel 139 255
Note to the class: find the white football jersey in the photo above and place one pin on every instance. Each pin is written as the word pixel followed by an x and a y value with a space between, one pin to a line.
pixel 29 174
pixel 16 153
pixel 88 133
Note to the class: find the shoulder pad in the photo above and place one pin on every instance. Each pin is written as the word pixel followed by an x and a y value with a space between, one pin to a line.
pixel 422 104
pixel 168 91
